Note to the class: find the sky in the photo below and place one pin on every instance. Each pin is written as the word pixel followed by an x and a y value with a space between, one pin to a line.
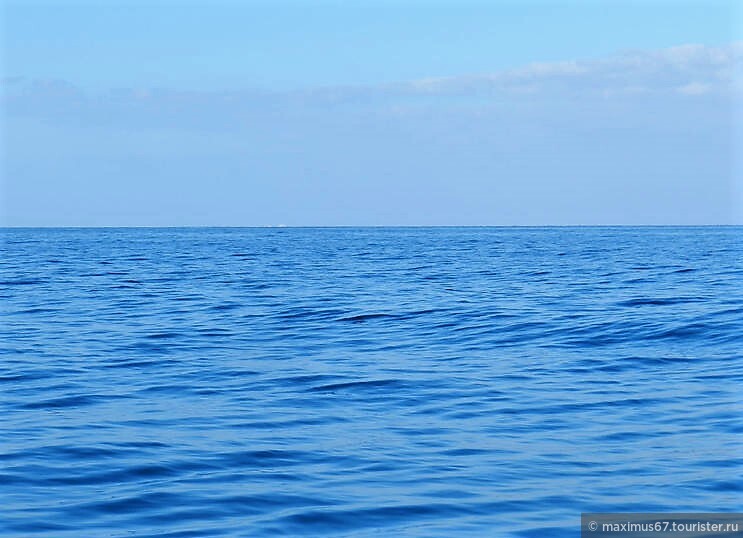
pixel 299 113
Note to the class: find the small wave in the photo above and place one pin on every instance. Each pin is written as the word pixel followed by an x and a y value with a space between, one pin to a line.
pixel 164 336
pixel 391 316
pixel 69 401
pixel 21 282
pixel 225 306
pixel 323 521
pixel 265 458
pixel 361 385
pixel 133 473
pixel 306 379
pixel 659 301
pixel 36 527
pixel 366 317
pixel 37 310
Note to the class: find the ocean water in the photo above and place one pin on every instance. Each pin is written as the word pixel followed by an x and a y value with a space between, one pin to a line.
pixel 433 382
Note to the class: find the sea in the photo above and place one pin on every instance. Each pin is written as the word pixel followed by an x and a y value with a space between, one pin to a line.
pixel 363 382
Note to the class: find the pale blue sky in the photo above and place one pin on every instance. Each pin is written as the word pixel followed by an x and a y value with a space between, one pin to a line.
pixel 354 113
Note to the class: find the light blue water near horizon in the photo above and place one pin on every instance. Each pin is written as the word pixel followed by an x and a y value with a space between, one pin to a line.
pixel 366 381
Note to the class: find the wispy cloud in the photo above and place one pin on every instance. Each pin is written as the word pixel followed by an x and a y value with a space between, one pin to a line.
pixel 687 69
pixel 643 133
pixel 634 78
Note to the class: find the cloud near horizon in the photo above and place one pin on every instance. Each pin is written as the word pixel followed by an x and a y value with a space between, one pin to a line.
pixel 673 69
pixel 688 70
pixel 638 137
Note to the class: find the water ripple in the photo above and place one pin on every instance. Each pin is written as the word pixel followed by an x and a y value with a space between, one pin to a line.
pixel 361 381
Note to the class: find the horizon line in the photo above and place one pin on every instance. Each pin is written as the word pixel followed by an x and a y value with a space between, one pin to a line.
pixel 315 226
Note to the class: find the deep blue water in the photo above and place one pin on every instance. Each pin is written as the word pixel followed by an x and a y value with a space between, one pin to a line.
pixel 366 382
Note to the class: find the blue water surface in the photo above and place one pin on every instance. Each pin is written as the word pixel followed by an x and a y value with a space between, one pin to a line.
pixel 433 382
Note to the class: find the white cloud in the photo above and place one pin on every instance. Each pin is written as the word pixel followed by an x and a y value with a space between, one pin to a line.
pixel 694 88
pixel 688 69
